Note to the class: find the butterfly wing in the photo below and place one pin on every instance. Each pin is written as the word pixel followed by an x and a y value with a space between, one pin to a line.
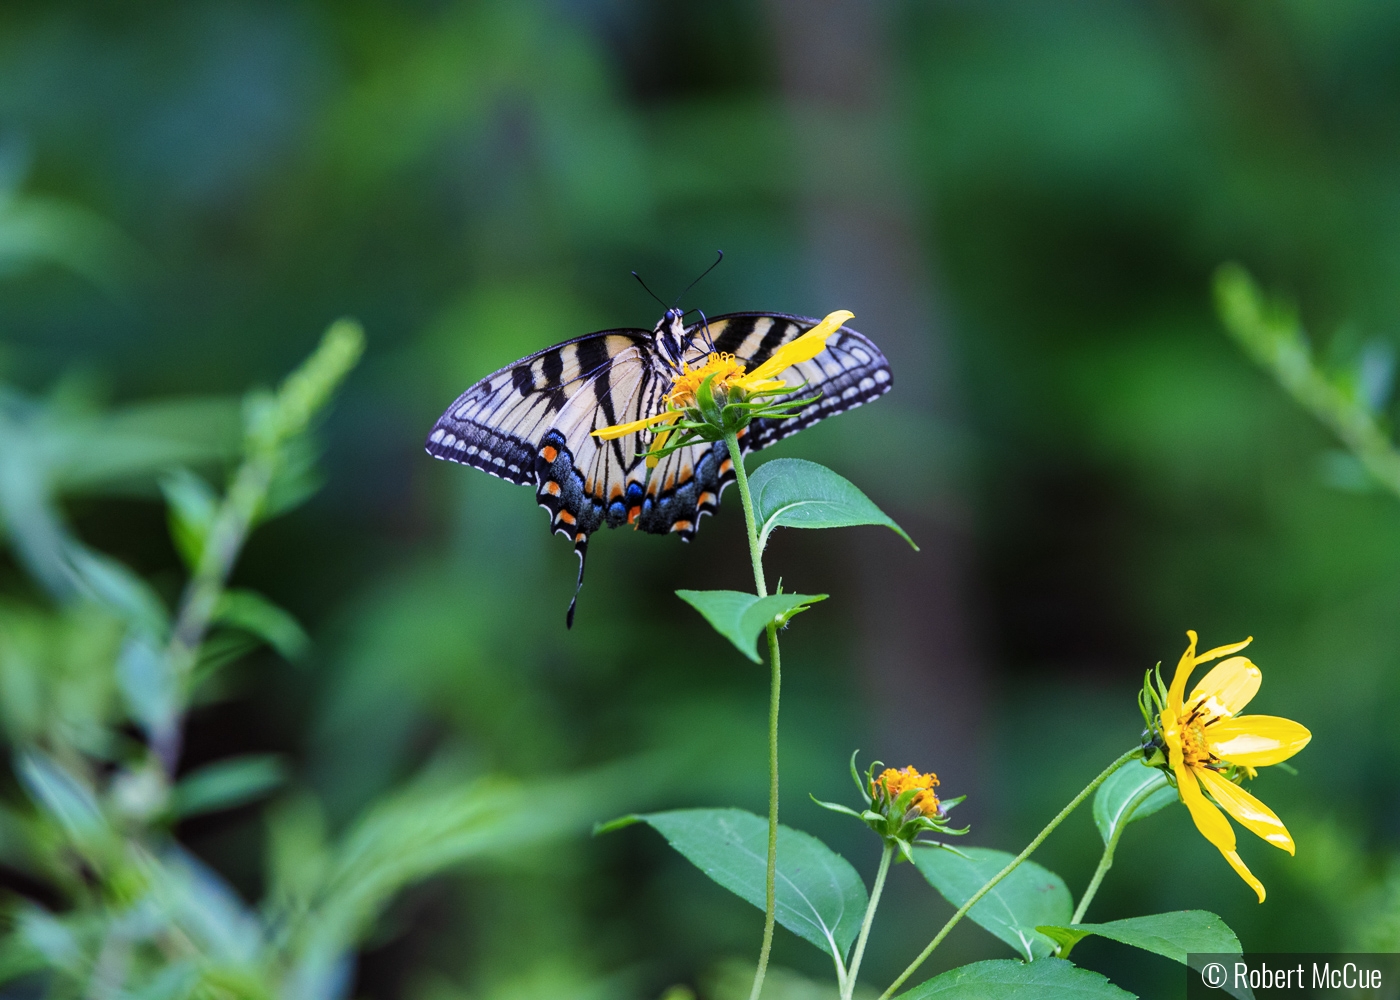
pixel 497 424
pixel 851 371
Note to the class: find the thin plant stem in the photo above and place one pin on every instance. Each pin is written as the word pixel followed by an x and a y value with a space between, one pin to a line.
pixel 731 441
pixel 1015 862
pixel 1105 863
pixel 848 988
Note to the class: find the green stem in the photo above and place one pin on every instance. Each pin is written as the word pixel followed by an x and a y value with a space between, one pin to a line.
pixel 741 476
pixel 1105 863
pixel 1011 867
pixel 850 985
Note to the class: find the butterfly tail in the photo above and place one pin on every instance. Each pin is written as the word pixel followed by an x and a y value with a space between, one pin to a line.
pixel 581 548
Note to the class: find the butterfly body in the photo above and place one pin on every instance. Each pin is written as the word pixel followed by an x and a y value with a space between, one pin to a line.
pixel 532 422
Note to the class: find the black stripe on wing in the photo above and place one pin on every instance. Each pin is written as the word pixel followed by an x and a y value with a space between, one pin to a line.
pixel 496 425
pixel 851 371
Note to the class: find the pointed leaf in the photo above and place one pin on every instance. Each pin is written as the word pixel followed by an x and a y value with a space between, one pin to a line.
pixel 1014 908
pixel 192 506
pixel 149 686
pixel 1003 979
pixel 253 613
pixel 227 783
pixel 820 898
pixel 1175 935
pixel 793 493
pixel 740 617
pixel 1134 791
pixel 63 796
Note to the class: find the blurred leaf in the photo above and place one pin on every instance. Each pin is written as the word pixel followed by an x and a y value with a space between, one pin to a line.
pixel 1130 793
pixel 740 617
pixel 192 505
pixel 733 980
pixel 227 783
pixel 819 896
pixel 297 478
pixel 109 582
pixel 191 896
pixel 114 451
pixel 1028 898
pixel 1175 935
pixel 63 796
pixel 36 230
pixel 151 690
pixel 251 612
pixel 795 493
pixel 1003 979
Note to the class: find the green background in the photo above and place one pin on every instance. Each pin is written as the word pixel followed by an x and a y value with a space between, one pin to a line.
pixel 1023 203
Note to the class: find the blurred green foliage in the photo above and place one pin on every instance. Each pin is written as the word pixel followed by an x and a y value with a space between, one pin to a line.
pixel 189 191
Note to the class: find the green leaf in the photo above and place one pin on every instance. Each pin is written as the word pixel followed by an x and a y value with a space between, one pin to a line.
pixel 1131 792
pixel 1175 935
pixel 740 617
pixel 192 506
pixel 793 493
pixel 819 896
pixel 148 685
pixel 253 613
pixel 64 797
pixel 227 783
pixel 1003 979
pixel 1029 897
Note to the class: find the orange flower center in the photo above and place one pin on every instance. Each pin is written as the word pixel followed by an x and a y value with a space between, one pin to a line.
pixel 724 367
pixel 898 782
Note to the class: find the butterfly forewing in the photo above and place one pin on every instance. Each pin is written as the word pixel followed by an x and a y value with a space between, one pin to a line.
pixel 497 424
pixel 849 372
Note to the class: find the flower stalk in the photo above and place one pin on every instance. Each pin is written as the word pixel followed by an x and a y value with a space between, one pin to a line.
pixel 731 440
pixel 849 986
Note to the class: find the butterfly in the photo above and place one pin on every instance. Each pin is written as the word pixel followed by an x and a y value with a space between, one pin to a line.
pixel 532 422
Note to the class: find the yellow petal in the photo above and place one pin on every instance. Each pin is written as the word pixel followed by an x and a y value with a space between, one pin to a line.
pixel 1209 820
pixel 804 348
pixel 1184 666
pixel 1213 826
pixel 1227 688
pixel 1220 651
pixel 1252 814
pixel 622 430
pixel 1256 740
pixel 1243 871
pixel 652 457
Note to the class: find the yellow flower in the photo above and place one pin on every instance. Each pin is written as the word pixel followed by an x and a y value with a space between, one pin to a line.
pixel 1204 736
pixel 728 373
pixel 898 782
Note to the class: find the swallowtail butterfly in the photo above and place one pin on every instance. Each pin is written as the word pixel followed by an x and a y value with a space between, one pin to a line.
pixel 531 423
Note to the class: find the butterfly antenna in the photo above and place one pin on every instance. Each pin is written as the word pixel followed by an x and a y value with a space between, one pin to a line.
pixel 697 280
pixel 648 290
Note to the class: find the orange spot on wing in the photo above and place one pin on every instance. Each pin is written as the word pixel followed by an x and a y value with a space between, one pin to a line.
pixel 633 514
pixel 706 497
pixel 552 488
pixel 670 482
pixel 582 536
pixel 616 491
pixel 726 465
pixel 682 526
pixel 566 518
pixel 549 453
